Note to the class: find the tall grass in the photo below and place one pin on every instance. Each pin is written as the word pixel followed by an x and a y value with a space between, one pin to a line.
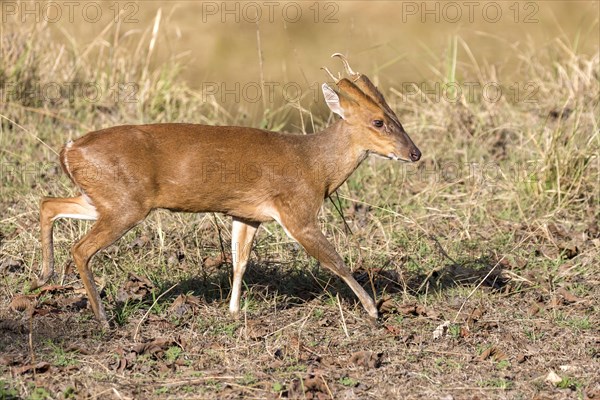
pixel 488 167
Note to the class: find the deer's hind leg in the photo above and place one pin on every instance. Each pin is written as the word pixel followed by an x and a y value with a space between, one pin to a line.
pixel 104 232
pixel 51 209
pixel 111 224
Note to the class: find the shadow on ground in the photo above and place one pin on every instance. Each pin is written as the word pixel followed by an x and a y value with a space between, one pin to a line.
pixel 298 286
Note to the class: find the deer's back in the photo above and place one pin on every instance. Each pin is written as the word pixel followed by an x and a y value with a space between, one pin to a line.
pixel 238 171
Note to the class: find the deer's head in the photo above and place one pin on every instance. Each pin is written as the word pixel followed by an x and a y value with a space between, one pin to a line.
pixel 362 106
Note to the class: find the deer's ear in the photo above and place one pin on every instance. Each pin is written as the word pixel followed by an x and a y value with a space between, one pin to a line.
pixel 333 100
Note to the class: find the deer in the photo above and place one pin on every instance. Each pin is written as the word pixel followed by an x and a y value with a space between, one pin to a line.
pixel 252 175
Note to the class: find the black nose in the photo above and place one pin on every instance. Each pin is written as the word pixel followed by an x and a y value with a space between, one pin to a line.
pixel 415 154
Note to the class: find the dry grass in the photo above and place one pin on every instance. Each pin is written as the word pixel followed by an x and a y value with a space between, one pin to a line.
pixel 496 231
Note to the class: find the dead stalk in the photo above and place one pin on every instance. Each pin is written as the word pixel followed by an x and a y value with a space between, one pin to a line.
pixel 137 328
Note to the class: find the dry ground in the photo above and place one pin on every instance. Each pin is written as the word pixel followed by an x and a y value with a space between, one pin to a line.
pixel 302 335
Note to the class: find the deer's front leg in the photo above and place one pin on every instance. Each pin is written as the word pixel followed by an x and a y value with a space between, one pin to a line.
pixel 242 235
pixel 316 244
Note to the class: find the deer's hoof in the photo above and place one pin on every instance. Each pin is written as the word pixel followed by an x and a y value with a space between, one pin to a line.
pixel 39 282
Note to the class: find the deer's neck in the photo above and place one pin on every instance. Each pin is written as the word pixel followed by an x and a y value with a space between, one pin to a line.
pixel 335 156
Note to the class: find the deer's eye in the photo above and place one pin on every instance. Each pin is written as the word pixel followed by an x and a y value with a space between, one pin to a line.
pixel 377 123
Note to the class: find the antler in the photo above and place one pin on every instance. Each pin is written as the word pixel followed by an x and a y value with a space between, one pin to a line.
pixel 336 80
pixel 357 86
pixel 349 71
pixel 364 84
pixel 354 75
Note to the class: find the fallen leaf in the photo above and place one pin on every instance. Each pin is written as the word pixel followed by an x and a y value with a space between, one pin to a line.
pixel 568 249
pixel 493 353
pixel 550 252
pixel 39 368
pixel 408 309
pixel 181 341
pixel 386 305
pixel 520 262
pixel 558 231
pixel 366 359
pixel 412 309
pixel 155 347
pixel 184 304
pixel 55 288
pixel 393 329
pixel 161 323
pixel 421 310
pixel 125 360
pixel 136 288
pixel 45 310
pixel 309 387
pixel 486 353
pixel 475 316
pixel 23 303
pixel 256 330
pixel 214 262
pixel 567 296
pixel 78 348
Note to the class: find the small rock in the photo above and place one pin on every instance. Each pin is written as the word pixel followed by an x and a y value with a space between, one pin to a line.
pixel 553 378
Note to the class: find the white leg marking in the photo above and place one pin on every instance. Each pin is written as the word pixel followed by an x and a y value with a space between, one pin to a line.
pixel 276 217
pixel 240 252
pixel 89 212
pixel 237 231
pixel 76 216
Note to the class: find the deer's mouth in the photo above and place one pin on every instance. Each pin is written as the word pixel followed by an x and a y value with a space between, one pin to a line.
pixel 390 156
pixel 393 156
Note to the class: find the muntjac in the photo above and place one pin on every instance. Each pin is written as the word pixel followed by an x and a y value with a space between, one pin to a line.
pixel 252 175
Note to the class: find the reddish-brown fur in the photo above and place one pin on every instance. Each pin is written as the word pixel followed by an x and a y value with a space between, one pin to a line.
pixel 253 175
